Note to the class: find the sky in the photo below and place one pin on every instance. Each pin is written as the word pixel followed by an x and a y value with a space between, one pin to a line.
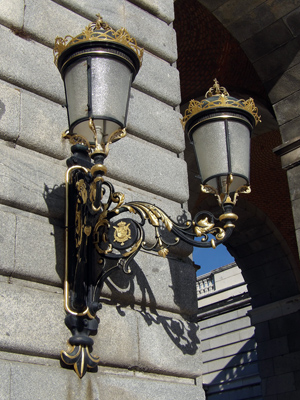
pixel 210 259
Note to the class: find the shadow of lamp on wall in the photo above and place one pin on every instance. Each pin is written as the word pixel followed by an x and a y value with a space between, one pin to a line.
pixel 98 67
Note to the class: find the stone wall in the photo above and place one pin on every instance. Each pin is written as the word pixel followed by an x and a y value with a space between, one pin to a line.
pixel 147 345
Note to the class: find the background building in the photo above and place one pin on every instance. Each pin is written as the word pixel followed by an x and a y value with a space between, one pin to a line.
pixel 230 368
pixel 148 345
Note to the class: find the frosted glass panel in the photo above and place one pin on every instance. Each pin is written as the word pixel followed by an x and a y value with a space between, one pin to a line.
pixel 239 140
pixel 210 145
pixel 77 90
pixel 111 81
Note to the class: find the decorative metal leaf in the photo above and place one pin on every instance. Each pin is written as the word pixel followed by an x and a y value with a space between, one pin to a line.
pixel 80 358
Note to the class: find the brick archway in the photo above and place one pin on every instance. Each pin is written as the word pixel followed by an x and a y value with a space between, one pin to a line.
pixel 252 49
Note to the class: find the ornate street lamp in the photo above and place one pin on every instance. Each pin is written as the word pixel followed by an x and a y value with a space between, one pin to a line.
pixel 219 127
pixel 98 67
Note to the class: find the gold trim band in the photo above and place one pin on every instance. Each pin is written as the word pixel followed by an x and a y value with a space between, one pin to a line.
pixel 228 216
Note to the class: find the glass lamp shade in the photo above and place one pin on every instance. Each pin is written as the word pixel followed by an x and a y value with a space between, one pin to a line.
pixel 97 74
pixel 221 139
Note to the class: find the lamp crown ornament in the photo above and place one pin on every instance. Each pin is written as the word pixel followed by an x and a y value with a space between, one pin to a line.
pixel 217 96
pixel 98 31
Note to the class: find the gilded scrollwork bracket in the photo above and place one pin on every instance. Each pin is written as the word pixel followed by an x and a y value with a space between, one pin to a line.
pixel 102 237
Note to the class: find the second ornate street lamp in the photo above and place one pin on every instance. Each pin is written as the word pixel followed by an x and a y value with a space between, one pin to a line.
pixel 98 67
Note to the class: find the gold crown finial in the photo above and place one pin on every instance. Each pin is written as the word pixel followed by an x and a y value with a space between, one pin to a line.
pixel 216 89
pixel 101 24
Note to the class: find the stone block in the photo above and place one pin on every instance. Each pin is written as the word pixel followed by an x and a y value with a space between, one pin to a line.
pixel 224 340
pixel 230 349
pixel 150 32
pixel 257 19
pixel 298 237
pixel 280 286
pixel 12 13
pixel 292 20
pixel 5 380
pixel 43 266
pixel 288 108
pixel 287 363
pixel 168 345
pixel 117 340
pixel 31 182
pixel 296 212
pixel 32 319
pixel 261 299
pixel 156 169
pixel 42 123
pixel 266 368
pixel 275 63
pixel 292 395
pixel 26 234
pixel 253 274
pixel 228 9
pixel 260 18
pixel 155 35
pixel 9 112
pixel 7 240
pixel 267 40
pixel 32 121
pixel 218 319
pixel 285 325
pixel 293 179
pixel 158 79
pixel 264 242
pixel 45 20
pixel 231 326
pixel 211 5
pixel 277 384
pixel 163 10
pixel 293 342
pixel 262 257
pixel 282 87
pixel 155 282
pixel 155 122
pixel 30 67
pixel 290 130
pixel 262 331
pixel 233 378
pixel 239 361
pixel 23 381
pixel 272 348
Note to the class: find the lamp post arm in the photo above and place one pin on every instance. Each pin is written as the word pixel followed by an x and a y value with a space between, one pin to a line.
pixel 104 234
